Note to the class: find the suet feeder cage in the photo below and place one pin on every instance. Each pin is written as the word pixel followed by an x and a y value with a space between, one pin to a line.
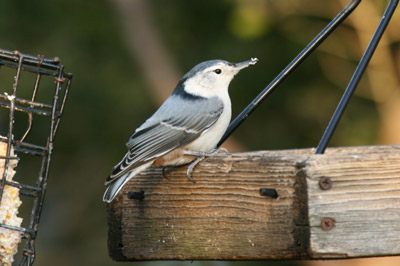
pixel 33 93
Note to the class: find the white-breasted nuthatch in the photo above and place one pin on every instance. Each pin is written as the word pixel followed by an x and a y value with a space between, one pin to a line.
pixel 193 119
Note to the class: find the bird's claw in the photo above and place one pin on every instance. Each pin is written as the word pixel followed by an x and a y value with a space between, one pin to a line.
pixel 164 171
pixel 191 168
pixel 201 156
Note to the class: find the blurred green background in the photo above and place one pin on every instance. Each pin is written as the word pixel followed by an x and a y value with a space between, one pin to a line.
pixel 127 56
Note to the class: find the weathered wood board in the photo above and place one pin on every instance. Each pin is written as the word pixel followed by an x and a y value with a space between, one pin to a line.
pixel 364 202
pixel 223 216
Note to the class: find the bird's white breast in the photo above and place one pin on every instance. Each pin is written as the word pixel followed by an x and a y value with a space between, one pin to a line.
pixel 210 138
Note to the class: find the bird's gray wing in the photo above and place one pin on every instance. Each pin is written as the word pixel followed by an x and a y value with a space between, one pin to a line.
pixel 177 122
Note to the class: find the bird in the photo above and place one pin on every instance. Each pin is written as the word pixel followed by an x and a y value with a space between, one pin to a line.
pixel 190 122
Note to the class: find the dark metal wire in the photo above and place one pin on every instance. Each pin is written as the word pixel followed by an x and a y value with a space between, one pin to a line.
pixel 289 69
pixel 356 77
pixel 42 68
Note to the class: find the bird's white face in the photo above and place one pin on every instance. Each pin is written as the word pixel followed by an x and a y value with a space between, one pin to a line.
pixel 213 80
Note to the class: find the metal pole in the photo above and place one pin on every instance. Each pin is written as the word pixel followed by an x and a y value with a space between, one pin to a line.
pixel 356 77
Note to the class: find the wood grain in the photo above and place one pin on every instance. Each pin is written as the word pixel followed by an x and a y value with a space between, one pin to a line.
pixel 223 216
pixel 364 201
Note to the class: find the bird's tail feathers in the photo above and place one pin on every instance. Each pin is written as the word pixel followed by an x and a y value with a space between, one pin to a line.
pixel 115 186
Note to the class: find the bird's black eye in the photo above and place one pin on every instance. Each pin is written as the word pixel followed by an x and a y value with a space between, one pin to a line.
pixel 218 71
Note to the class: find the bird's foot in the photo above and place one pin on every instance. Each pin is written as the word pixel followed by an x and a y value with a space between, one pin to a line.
pixel 200 157
pixel 165 171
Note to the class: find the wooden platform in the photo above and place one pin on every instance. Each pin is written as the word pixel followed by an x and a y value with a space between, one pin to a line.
pixel 345 203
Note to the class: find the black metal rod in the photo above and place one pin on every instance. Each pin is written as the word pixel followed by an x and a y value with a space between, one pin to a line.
pixel 29 69
pixel 25 145
pixel 32 60
pixel 20 185
pixel 26 109
pixel 15 228
pixel 61 109
pixel 289 69
pixel 27 102
pixel 356 77
pixel 9 158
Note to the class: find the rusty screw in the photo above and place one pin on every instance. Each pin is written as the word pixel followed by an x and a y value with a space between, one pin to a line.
pixel 327 224
pixel 325 183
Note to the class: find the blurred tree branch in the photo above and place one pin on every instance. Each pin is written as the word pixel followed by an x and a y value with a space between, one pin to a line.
pixel 147 48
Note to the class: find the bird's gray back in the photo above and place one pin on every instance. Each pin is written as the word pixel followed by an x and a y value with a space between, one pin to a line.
pixel 193 115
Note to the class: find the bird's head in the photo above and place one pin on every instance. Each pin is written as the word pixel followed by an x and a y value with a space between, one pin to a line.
pixel 212 78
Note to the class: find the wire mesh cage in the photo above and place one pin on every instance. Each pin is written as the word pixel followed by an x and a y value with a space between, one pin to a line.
pixel 33 93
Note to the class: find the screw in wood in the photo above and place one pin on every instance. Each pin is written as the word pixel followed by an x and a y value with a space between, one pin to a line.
pixel 327 224
pixel 325 183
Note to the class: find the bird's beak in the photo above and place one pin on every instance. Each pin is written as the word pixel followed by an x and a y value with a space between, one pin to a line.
pixel 244 64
